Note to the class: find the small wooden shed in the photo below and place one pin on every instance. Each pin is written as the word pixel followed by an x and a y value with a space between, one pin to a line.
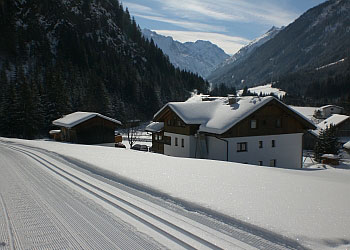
pixel 87 128
pixel 330 159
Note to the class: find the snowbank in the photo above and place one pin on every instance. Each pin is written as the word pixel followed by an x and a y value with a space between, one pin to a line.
pixel 312 206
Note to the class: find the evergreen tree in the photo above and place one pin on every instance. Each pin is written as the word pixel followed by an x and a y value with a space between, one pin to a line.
pixel 327 143
pixel 80 62
pixel 97 98
pixel 13 114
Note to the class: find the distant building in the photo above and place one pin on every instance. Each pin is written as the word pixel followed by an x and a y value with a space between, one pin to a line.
pixel 340 122
pixel 326 111
pixel 323 117
pixel 254 130
pixel 157 130
pixel 86 128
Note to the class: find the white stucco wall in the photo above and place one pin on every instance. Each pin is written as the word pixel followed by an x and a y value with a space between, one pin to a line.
pixel 287 151
pixel 187 151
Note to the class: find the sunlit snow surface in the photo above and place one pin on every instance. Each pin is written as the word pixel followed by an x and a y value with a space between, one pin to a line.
pixel 265 90
pixel 312 205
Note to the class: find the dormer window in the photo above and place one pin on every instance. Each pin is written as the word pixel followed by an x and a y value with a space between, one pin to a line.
pixel 253 124
pixel 278 123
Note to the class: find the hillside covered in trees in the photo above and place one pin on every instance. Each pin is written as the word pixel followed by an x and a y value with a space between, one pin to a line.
pixel 329 84
pixel 57 57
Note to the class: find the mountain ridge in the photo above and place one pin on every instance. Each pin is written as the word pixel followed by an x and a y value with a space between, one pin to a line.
pixel 199 57
pixel 320 36
pixel 242 54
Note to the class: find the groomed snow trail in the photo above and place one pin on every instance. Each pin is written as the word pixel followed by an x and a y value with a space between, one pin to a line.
pixel 45 213
pixel 49 204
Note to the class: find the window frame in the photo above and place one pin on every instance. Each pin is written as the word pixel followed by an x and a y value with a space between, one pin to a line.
pixel 167 140
pixel 241 148
pixel 273 163
pixel 253 123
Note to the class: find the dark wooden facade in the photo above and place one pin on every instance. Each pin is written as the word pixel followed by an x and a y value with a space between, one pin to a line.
pixel 158 142
pixel 93 131
pixel 174 124
pixel 343 129
pixel 271 119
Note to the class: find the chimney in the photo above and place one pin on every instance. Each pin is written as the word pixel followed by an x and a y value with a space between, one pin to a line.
pixel 231 99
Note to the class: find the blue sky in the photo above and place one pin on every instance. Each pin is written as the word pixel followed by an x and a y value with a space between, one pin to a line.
pixel 230 24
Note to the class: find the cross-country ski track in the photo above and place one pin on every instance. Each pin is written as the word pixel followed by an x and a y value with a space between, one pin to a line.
pixel 47 202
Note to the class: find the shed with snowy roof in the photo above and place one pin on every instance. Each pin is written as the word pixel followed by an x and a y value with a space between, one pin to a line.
pixel 254 130
pixel 87 128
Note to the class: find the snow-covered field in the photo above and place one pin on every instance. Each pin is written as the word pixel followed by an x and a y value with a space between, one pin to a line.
pixel 265 90
pixel 309 206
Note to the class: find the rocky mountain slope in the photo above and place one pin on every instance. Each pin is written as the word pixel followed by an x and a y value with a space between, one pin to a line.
pixel 62 56
pixel 319 37
pixel 200 57
pixel 225 67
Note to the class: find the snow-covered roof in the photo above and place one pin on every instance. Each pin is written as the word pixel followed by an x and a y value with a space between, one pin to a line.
pixel 54 131
pixel 155 127
pixel 347 145
pixel 331 156
pixel 217 116
pixel 334 119
pixel 306 111
pixel 331 106
pixel 76 118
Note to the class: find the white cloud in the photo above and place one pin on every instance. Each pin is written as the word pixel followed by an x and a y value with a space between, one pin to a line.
pixel 140 9
pixel 185 24
pixel 230 44
pixel 229 10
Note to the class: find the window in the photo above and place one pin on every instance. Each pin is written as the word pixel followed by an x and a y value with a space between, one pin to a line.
pixel 167 140
pixel 273 143
pixel 242 147
pixel 169 122
pixel 260 144
pixel 182 142
pixel 273 163
pixel 176 141
pixel 278 123
pixel 253 124
pixel 178 123
pixel 160 137
pixel 261 163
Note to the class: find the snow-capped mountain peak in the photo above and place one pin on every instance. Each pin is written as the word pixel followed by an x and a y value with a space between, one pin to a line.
pixel 246 50
pixel 200 57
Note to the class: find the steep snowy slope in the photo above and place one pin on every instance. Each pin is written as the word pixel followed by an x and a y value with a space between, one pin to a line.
pixel 225 67
pixel 199 57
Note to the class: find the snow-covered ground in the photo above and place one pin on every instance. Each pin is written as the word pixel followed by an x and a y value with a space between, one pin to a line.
pixel 265 90
pixel 310 206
